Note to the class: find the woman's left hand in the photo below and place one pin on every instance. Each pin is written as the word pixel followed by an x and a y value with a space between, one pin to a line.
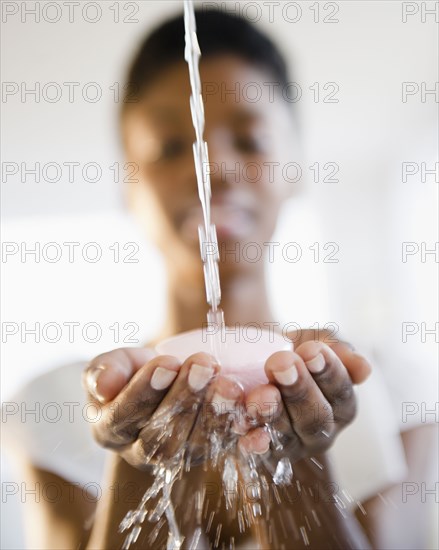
pixel 309 399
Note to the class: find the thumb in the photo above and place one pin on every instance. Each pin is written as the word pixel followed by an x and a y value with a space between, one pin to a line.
pixel 108 373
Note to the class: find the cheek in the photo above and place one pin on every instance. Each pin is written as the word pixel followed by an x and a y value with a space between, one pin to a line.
pixel 168 185
pixel 153 209
pixel 267 178
pixel 272 190
pixel 157 197
pixel 273 172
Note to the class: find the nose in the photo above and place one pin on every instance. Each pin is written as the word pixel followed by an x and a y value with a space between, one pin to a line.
pixel 224 164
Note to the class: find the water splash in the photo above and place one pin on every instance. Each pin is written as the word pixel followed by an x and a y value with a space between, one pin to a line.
pixel 246 484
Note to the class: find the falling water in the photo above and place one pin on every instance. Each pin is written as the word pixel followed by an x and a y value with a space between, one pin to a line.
pixel 206 232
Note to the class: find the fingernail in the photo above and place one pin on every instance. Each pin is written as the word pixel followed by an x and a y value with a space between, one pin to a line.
pixel 317 364
pixel 269 409
pixel 286 377
pixel 222 405
pixel 92 382
pixel 263 450
pixel 259 445
pixel 266 410
pixel 240 426
pixel 162 378
pixel 199 376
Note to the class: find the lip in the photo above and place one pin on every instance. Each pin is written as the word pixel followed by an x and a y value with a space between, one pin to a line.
pixel 231 220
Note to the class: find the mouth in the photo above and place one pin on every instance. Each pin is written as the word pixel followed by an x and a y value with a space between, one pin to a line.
pixel 232 221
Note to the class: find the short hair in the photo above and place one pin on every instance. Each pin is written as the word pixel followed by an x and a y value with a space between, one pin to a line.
pixel 218 33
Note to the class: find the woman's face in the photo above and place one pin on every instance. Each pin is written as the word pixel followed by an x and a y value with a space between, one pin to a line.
pixel 250 136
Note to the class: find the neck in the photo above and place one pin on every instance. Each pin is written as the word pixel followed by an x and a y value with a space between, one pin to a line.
pixel 243 300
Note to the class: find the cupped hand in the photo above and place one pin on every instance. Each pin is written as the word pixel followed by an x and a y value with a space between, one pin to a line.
pixel 309 399
pixel 153 407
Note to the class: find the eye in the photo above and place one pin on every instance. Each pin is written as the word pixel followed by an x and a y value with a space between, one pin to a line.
pixel 172 148
pixel 249 144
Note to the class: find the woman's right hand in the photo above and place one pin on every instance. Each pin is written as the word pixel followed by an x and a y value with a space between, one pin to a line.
pixel 153 405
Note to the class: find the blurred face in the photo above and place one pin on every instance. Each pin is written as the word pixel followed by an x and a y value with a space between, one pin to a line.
pixel 250 138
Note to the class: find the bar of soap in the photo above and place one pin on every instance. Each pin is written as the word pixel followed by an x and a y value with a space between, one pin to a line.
pixel 242 352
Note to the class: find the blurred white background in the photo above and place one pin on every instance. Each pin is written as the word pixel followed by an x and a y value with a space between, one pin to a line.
pixel 369 53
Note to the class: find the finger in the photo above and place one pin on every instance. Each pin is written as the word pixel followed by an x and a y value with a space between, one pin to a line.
pixel 264 405
pixel 168 430
pixel 256 441
pixel 358 366
pixel 222 408
pixel 332 378
pixel 108 373
pixel 123 418
pixel 309 411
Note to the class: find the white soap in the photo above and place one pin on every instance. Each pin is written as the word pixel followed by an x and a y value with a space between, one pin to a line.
pixel 242 351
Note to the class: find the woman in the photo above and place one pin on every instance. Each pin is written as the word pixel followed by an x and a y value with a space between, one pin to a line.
pixel 132 386
pixel 158 136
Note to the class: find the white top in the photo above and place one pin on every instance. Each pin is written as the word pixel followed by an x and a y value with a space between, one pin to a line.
pixel 48 421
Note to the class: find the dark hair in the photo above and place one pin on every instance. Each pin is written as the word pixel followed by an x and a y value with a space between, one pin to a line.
pixel 218 32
